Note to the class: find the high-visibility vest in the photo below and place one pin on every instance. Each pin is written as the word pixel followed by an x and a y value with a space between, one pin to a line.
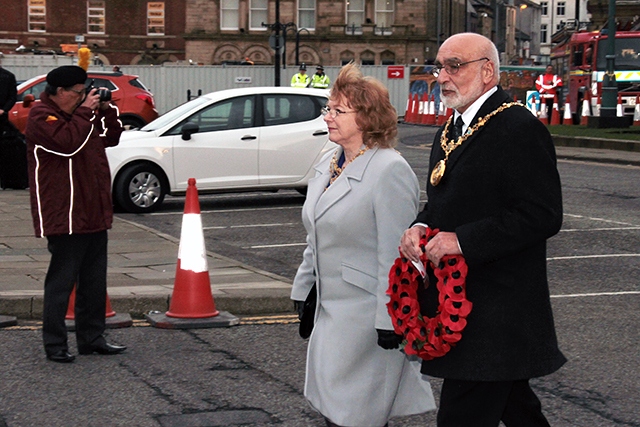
pixel 320 82
pixel 300 80
pixel 547 84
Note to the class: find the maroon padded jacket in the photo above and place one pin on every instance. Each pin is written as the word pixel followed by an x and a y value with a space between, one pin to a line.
pixel 69 177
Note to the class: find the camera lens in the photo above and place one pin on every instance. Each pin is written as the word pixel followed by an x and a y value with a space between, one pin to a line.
pixel 105 95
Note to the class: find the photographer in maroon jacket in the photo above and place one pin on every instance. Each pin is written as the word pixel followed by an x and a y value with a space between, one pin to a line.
pixel 70 186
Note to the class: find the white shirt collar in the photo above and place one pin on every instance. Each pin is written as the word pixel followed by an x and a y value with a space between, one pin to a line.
pixel 471 112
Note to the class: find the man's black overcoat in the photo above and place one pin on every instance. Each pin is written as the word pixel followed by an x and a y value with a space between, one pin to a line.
pixel 501 195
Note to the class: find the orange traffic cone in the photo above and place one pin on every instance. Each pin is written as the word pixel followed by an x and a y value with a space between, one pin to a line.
pixel 425 109
pixel 418 118
pixel 584 116
pixel 619 112
pixel 636 112
pixel 112 320
pixel 431 115
pixel 192 304
pixel 567 119
pixel 555 113
pixel 543 113
pixel 407 111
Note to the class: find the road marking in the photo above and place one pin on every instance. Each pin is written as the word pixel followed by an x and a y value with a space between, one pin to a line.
pixel 600 219
pixel 223 227
pixel 601 229
pixel 597 294
pixel 283 245
pixel 591 256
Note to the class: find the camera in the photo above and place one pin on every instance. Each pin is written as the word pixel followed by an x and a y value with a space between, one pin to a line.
pixel 105 94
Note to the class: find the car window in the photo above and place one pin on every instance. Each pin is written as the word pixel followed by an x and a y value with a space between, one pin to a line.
pixel 34 90
pixel 98 82
pixel 235 113
pixel 283 109
pixel 137 83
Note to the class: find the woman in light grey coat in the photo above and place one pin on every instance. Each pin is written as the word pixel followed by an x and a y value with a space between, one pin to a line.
pixel 362 198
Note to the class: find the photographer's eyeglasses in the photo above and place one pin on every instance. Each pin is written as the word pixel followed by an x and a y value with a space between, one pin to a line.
pixel 452 68
pixel 334 112
pixel 79 92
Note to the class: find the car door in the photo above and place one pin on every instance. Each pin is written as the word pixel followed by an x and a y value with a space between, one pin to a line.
pixel 223 153
pixel 20 113
pixel 293 137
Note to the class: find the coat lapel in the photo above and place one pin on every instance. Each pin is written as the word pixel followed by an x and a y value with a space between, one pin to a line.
pixel 494 101
pixel 342 186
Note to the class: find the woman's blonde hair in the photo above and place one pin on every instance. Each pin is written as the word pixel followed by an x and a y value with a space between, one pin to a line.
pixel 375 116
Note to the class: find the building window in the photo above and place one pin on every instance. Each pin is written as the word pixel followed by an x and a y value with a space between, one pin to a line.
pixel 543 33
pixel 355 16
pixel 37 16
pixel 258 14
pixel 155 18
pixel 307 14
pixel 229 17
pixel 384 16
pixel 544 8
pixel 95 17
pixel 561 8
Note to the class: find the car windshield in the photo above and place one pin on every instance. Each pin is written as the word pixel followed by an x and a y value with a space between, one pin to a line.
pixel 170 116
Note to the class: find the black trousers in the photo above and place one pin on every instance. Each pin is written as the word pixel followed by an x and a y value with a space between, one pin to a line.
pixel 485 404
pixel 79 259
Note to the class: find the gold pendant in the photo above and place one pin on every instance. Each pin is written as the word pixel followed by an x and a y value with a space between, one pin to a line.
pixel 438 172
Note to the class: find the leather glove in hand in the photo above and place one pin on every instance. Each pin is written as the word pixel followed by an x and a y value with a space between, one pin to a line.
pixel 388 340
pixel 298 306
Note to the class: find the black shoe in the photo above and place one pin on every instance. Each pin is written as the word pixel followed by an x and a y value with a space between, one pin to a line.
pixel 105 349
pixel 61 356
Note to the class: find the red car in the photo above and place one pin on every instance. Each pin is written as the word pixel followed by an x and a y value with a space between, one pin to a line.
pixel 135 101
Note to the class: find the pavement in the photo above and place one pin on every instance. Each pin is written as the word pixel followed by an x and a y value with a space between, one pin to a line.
pixel 142 261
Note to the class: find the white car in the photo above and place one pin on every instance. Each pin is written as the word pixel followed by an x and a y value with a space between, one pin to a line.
pixel 257 138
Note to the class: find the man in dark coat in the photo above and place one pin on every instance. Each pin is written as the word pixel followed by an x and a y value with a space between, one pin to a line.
pixel 8 94
pixel 494 193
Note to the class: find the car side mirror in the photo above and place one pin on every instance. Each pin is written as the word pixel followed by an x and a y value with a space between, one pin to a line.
pixel 189 129
pixel 28 100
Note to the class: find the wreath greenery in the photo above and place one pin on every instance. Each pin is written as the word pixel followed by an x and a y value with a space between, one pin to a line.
pixel 427 337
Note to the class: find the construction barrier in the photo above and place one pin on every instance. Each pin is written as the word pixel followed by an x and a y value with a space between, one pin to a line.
pixel 192 304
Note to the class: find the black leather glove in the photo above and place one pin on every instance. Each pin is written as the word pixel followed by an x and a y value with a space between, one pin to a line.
pixel 298 306
pixel 389 340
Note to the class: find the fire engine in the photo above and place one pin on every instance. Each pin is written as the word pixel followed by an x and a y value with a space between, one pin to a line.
pixel 581 61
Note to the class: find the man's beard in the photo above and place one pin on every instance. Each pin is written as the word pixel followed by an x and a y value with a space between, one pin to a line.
pixel 457 101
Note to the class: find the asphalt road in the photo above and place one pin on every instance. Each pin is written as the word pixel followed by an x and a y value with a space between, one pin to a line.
pixel 253 374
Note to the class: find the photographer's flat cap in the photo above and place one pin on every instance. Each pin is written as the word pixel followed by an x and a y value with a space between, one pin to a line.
pixel 67 76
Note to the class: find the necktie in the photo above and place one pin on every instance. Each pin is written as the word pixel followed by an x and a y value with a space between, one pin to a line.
pixel 456 132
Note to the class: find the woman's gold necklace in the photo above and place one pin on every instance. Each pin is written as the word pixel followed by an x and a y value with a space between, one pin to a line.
pixel 337 170
pixel 449 145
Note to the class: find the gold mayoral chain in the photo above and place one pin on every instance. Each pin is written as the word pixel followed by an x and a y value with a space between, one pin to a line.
pixel 337 170
pixel 449 145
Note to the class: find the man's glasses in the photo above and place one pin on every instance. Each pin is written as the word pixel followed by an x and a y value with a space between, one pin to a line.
pixel 334 112
pixel 452 67
pixel 79 92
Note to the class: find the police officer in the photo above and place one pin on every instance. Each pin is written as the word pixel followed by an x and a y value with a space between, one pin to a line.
pixel 320 80
pixel 301 78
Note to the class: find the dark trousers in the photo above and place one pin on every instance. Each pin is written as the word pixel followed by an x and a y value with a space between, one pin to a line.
pixel 79 259
pixel 485 404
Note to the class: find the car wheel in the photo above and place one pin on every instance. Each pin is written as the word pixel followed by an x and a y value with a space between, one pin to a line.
pixel 131 123
pixel 140 188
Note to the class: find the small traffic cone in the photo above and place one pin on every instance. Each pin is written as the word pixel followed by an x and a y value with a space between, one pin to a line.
pixel 619 112
pixel 112 320
pixel 431 114
pixel 555 113
pixel 407 110
pixel 598 106
pixel 420 112
pixel 584 116
pixel 567 119
pixel 543 113
pixel 636 112
pixel 425 109
pixel 192 304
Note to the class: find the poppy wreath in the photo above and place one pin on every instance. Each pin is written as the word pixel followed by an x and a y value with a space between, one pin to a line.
pixel 427 337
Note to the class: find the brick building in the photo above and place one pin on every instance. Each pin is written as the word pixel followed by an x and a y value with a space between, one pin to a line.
pixel 116 31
